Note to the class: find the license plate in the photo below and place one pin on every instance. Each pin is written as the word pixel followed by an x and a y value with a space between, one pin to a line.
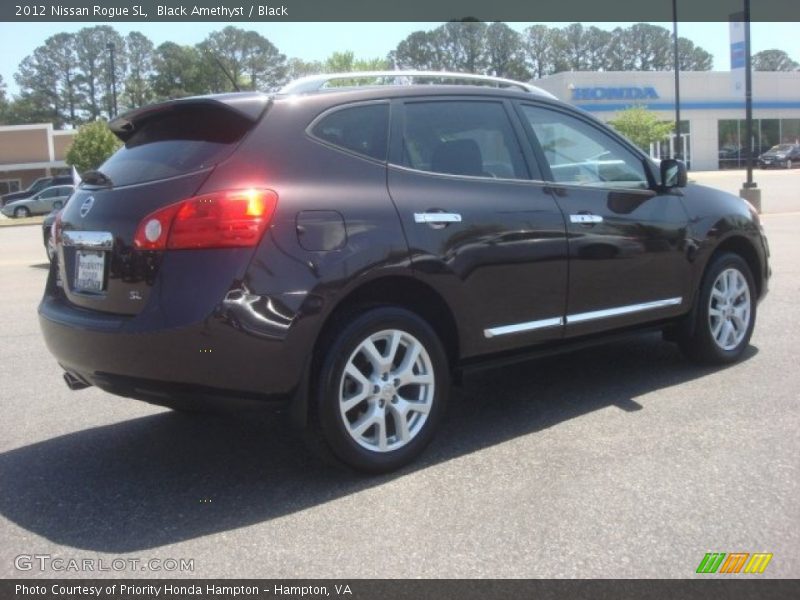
pixel 90 271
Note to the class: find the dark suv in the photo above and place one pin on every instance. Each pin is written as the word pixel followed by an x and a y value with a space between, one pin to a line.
pixel 348 250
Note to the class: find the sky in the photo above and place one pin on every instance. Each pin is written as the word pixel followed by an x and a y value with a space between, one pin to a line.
pixel 316 41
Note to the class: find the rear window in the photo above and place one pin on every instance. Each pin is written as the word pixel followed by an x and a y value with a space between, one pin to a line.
pixel 361 129
pixel 175 142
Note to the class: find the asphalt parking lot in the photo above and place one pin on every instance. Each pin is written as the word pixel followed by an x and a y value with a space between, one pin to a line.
pixel 625 461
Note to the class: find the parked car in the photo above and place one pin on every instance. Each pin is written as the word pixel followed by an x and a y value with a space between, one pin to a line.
pixel 47 233
pixel 782 155
pixel 348 251
pixel 40 203
pixel 37 186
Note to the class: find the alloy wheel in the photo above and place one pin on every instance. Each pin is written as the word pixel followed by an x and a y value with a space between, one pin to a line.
pixel 386 391
pixel 729 309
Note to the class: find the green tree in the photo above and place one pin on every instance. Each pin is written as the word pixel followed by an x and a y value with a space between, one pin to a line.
pixel 419 50
pixel 138 84
pixel 297 67
pixel 94 62
pixel 178 71
pixel 641 126
pixel 93 144
pixel 504 52
pixel 539 47
pixel 693 58
pixel 773 60
pixel 48 79
pixel 250 59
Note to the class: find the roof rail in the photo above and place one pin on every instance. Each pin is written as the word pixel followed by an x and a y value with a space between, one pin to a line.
pixel 315 83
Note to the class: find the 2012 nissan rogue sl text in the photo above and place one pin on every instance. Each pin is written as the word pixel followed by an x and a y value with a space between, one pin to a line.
pixel 347 250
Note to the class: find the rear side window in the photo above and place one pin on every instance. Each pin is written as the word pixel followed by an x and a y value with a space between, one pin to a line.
pixel 462 138
pixel 361 129
pixel 175 142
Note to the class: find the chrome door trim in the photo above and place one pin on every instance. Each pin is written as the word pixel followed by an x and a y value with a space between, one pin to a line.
pixel 93 240
pixel 520 327
pixel 434 218
pixel 580 317
pixel 622 310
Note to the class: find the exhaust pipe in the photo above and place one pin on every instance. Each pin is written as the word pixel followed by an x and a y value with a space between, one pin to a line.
pixel 74 383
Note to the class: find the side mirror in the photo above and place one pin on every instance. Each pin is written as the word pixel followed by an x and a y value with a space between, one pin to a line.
pixel 673 173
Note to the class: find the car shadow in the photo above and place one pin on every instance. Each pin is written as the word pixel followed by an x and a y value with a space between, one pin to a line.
pixel 168 477
pixel 40 266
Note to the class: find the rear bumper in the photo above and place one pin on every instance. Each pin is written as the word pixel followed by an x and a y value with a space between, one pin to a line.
pixel 205 362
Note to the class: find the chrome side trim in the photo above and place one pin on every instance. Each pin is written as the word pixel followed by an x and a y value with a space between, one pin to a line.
pixel 622 310
pixel 94 240
pixel 433 217
pixel 520 327
pixel 581 317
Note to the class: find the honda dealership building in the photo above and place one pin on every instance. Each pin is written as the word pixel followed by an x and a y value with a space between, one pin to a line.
pixel 712 114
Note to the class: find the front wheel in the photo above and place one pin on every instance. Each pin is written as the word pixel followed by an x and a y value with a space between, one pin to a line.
pixel 21 212
pixel 789 164
pixel 725 313
pixel 382 390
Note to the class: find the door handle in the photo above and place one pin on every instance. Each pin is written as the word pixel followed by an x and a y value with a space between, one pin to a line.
pixel 585 219
pixel 437 218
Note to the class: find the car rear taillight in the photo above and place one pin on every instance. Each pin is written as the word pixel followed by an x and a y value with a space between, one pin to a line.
pixel 55 229
pixel 226 219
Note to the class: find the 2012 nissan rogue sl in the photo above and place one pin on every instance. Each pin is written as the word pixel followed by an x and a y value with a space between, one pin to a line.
pixel 346 250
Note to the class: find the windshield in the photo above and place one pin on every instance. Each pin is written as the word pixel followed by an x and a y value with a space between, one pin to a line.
pixel 781 148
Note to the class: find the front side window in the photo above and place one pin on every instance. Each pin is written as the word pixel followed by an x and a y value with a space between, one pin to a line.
pixel 580 154
pixel 461 138
pixel 362 129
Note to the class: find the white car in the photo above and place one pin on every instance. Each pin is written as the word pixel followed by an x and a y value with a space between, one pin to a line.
pixel 40 203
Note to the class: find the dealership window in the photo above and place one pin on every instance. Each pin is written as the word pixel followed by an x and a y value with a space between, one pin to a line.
pixel 9 185
pixel 767 133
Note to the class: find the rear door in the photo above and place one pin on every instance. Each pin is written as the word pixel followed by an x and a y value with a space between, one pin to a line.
pixel 480 228
pixel 169 152
pixel 627 241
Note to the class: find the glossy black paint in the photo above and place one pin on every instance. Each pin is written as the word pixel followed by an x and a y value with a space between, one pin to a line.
pixel 246 322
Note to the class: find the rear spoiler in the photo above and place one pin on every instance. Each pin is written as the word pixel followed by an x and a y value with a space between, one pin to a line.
pixel 250 105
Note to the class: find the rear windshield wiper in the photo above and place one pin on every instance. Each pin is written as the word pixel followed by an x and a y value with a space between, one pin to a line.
pixel 94 177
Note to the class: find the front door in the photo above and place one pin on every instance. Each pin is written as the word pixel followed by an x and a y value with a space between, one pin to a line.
pixel 627 248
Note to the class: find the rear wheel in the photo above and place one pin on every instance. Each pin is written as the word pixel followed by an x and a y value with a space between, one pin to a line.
pixel 725 313
pixel 21 212
pixel 57 205
pixel 789 163
pixel 382 390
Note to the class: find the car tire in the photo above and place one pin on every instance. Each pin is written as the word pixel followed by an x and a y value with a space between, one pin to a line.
pixel 724 315
pixel 381 391
pixel 57 205
pixel 788 163
pixel 21 212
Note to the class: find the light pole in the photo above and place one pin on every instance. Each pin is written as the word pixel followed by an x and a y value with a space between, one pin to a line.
pixel 678 139
pixel 749 191
pixel 110 47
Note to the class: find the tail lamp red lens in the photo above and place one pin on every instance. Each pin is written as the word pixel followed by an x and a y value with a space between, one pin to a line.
pixel 55 229
pixel 225 219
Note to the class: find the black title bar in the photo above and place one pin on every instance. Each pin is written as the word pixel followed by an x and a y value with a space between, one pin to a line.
pixel 385 10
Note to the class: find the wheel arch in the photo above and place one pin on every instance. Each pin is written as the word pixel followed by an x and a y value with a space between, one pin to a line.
pixel 404 291
pixel 744 247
